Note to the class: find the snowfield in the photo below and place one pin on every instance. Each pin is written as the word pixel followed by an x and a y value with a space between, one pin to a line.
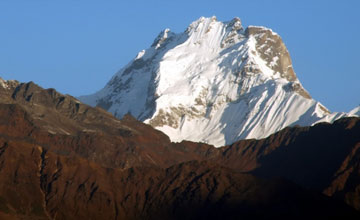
pixel 215 83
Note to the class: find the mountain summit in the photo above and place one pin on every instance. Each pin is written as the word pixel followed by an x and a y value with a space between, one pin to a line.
pixel 217 82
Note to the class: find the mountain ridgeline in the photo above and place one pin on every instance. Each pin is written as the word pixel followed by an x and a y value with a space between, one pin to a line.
pixel 211 123
pixel 62 159
pixel 216 83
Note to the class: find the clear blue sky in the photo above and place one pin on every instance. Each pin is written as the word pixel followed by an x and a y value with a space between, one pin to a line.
pixel 75 46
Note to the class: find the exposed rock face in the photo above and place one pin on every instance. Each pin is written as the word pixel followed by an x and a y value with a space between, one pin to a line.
pixel 273 51
pixel 61 159
pixel 214 83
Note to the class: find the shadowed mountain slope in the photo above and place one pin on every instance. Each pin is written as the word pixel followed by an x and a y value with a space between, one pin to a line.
pixel 61 159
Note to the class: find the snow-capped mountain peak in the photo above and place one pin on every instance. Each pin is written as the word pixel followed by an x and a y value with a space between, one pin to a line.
pixel 162 37
pixel 216 82
pixel 355 111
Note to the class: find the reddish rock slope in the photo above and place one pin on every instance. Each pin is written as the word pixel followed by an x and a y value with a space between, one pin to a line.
pixel 61 159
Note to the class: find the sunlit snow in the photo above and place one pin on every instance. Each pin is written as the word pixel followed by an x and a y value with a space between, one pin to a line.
pixel 208 84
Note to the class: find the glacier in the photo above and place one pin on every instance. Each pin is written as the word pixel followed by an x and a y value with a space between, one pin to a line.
pixel 216 82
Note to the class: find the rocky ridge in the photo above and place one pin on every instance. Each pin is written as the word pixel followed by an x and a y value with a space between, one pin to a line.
pixel 216 83
pixel 62 159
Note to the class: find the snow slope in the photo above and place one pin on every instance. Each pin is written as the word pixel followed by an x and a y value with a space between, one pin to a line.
pixel 215 83
pixel 355 111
